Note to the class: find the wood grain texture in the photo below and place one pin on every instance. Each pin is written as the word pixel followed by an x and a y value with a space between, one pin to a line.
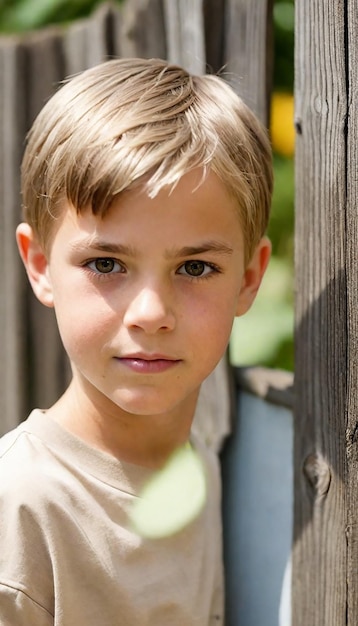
pixel 325 315
pixel 45 67
pixel 89 41
pixel 140 29
pixel 13 283
pixel 352 315
pixel 184 22
pixel 248 52
pixel 214 21
pixel 272 385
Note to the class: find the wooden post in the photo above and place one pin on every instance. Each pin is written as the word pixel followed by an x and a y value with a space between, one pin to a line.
pixel 248 52
pixel 14 389
pixel 352 315
pixel 184 20
pixel 325 548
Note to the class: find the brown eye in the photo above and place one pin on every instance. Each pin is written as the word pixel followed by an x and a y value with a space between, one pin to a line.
pixel 194 268
pixel 105 265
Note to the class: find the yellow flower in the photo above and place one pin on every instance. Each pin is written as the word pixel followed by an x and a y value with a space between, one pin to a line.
pixel 282 123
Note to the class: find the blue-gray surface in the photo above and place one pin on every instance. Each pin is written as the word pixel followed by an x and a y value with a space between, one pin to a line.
pixel 258 513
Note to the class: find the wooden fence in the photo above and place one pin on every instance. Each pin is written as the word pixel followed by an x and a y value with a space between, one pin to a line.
pixel 325 555
pixel 232 36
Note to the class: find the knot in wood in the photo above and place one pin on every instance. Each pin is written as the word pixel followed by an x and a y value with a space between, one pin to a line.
pixel 298 126
pixel 317 474
pixel 321 105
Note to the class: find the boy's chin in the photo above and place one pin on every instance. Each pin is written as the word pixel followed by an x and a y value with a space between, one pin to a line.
pixel 144 404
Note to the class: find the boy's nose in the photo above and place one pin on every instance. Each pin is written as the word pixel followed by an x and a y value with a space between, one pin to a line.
pixel 149 311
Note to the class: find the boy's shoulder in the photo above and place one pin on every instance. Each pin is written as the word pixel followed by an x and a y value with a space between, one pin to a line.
pixel 33 466
pixel 37 463
pixel 14 451
pixel 21 466
pixel 25 567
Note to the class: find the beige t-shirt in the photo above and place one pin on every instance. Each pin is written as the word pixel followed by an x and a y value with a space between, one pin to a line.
pixel 68 556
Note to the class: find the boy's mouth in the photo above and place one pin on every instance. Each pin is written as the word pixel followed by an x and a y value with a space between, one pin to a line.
pixel 148 363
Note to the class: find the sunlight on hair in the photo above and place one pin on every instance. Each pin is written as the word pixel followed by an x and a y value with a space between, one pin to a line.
pixel 173 497
pixel 151 122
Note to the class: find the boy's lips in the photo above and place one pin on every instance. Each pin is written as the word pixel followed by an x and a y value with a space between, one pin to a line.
pixel 148 363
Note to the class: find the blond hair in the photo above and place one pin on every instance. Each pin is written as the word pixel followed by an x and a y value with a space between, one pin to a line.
pixel 129 122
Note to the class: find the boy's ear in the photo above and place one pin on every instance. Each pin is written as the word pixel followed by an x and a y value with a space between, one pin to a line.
pixel 36 263
pixel 253 276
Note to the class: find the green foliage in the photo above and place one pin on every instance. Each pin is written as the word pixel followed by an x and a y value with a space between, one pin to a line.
pixel 265 334
pixel 282 217
pixel 284 44
pixel 21 15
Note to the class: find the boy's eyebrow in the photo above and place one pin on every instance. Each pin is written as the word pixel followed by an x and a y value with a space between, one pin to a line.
pixel 103 246
pixel 117 248
pixel 206 246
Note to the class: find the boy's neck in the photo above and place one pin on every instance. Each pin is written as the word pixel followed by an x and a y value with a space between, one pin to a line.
pixel 146 440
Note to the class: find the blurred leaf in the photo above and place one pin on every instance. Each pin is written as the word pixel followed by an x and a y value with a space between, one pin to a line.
pixel 281 225
pixel 21 15
pixel 27 14
pixel 284 15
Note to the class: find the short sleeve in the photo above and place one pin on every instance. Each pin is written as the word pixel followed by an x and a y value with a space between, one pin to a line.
pixel 18 609
pixel 26 577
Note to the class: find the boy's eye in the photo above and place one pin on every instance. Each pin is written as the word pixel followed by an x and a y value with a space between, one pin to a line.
pixel 105 266
pixel 195 268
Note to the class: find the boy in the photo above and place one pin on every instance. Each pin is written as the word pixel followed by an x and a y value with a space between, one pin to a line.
pixel 146 196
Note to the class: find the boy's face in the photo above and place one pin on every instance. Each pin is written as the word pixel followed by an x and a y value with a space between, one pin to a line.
pixel 145 298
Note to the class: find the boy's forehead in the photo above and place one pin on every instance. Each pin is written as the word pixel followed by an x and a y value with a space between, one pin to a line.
pixel 197 208
pixel 199 187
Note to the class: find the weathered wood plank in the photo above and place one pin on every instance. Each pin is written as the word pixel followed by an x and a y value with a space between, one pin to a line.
pixel 89 41
pixel 184 21
pixel 45 67
pixel 323 358
pixel 352 315
pixel 248 52
pixel 140 30
pixel 273 386
pixel 214 22
pixel 13 335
